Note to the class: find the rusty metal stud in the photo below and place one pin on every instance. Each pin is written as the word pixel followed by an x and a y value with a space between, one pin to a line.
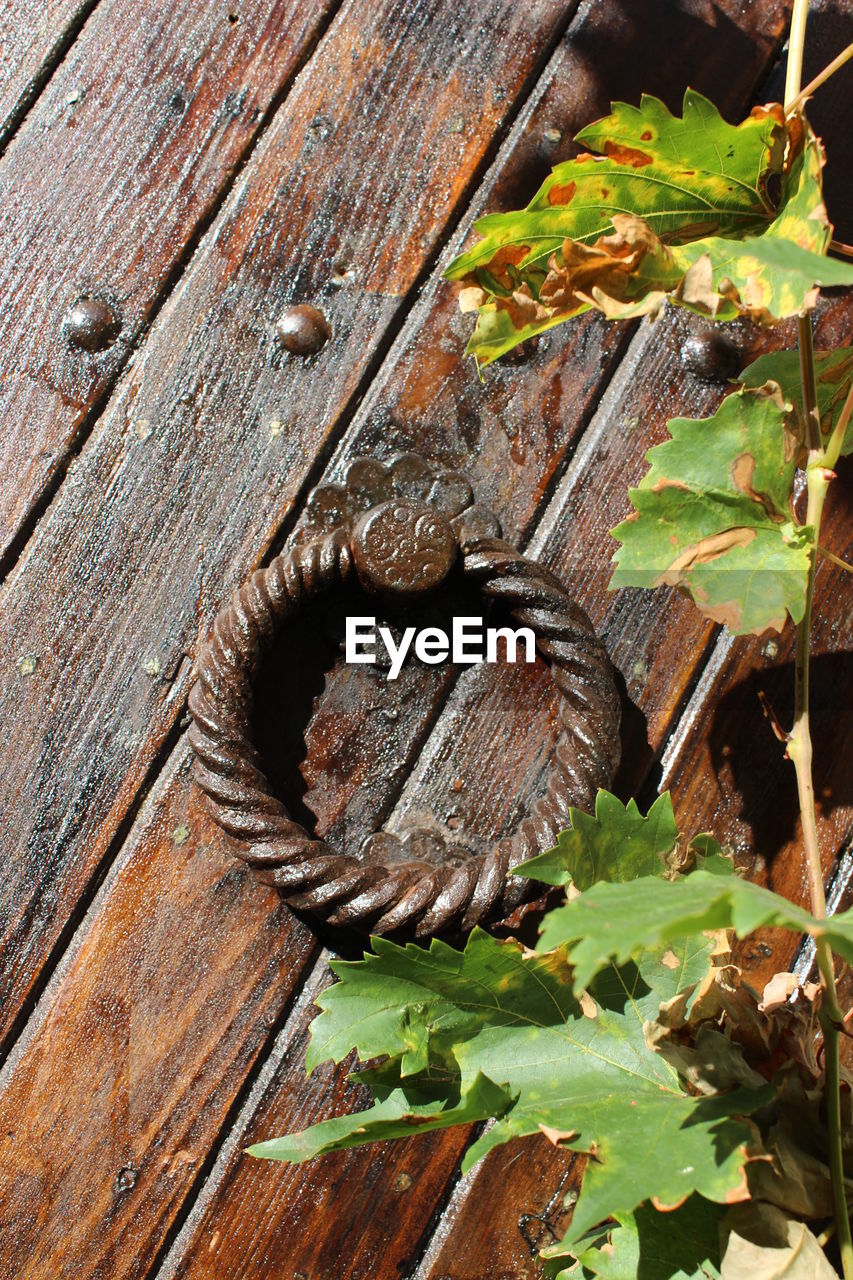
pixel 426 881
pixel 91 324
pixel 711 356
pixel 303 330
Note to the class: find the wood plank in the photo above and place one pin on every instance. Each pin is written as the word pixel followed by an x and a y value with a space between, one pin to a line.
pixel 363 1216
pixel 103 192
pixel 153 526
pixel 105 1128
pixel 34 35
pixel 215 1220
pixel 504 1212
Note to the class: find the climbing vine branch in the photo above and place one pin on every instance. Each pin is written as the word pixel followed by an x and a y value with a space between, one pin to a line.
pixel 800 751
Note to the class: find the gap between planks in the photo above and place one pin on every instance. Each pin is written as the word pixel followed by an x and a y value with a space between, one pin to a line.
pixel 55 56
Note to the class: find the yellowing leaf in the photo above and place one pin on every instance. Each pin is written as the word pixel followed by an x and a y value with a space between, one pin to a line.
pixel 763 1243
pixel 670 207
pixel 713 516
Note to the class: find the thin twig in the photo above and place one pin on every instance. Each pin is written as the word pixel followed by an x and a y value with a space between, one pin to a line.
pixel 842 564
pixel 769 711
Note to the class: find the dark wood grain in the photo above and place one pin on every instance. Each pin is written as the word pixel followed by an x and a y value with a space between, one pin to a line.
pixel 33 36
pixel 148 534
pixel 518 1202
pixel 349 1215
pixel 122 161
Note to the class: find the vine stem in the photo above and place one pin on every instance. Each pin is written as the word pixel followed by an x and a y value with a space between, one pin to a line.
pixel 818 478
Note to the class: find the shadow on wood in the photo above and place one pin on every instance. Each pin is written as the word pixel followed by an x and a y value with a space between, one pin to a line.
pixel 747 758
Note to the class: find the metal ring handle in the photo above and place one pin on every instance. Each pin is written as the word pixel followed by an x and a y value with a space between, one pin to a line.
pixel 397 545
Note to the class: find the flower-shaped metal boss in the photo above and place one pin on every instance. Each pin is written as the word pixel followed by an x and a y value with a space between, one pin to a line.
pixel 398 528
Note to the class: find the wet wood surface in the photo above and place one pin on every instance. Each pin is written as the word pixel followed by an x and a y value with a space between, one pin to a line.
pixel 34 36
pixel 174 992
pixel 124 159
pixel 209 440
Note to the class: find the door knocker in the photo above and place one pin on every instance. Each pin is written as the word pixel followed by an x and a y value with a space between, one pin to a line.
pixel 398 529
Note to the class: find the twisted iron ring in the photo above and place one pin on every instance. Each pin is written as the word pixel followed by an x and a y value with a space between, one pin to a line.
pixel 396 529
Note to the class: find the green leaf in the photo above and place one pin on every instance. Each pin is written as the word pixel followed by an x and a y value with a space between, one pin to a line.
pixel 617 844
pixel 398 1115
pixel 834 370
pixel 610 923
pixel 670 207
pixel 681 1245
pixel 684 177
pixel 773 274
pixel 495 1030
pixel 713 516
